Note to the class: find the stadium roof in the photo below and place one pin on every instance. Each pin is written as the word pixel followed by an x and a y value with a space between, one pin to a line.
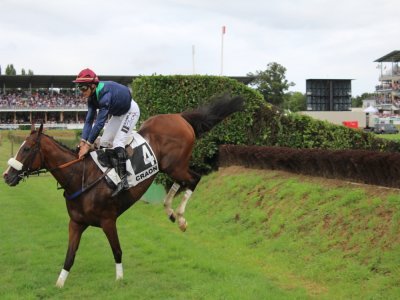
pixel 65 81
pixel 393 56
pixel 326 79
pixel 50 81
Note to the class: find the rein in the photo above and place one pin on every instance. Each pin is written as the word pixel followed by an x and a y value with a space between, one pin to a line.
pixel 67 164
pixel 83 189
pixel 37 150
pixel 37 172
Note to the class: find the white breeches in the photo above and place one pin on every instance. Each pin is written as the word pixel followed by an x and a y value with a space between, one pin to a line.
pixel 119 129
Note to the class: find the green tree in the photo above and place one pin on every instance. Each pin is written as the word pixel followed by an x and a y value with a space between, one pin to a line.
pixel 295 101
pixel 357 101
pixel 272 83
pixel 10 70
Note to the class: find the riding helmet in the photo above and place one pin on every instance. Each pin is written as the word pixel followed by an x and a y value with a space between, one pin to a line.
pixel 86 76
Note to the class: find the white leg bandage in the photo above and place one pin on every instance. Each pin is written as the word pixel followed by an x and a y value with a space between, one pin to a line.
pixel 181 210
pixel 119 271
pixel 168 199
pixel 61 279
pixel 182 206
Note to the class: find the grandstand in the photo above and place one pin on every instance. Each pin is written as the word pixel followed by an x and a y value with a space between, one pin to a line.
pixel 53 99
pixel 388 90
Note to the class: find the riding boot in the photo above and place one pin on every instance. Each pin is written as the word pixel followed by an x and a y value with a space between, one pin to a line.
pixel 123 174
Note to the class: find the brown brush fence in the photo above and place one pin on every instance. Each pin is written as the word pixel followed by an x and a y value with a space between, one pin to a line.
pixel 377 168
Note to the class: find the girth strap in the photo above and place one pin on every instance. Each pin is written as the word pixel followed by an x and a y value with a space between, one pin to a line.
pixel 86 188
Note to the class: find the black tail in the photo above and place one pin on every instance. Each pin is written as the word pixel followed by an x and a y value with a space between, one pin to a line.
pixel 206 117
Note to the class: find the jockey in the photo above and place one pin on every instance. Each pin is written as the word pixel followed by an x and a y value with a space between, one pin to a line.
pixel 110 99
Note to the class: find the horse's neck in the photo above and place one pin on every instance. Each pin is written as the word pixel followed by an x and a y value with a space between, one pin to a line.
pixel 55 154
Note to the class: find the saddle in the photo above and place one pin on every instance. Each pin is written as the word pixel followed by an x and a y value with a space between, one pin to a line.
pixel 141 161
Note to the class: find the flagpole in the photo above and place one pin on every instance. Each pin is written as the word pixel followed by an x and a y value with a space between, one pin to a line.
pixel 222 49
pixel 193 65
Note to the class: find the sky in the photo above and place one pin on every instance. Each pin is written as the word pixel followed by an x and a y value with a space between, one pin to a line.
pixel 312 39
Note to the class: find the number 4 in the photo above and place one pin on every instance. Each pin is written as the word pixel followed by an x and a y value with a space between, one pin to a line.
pixel 147 157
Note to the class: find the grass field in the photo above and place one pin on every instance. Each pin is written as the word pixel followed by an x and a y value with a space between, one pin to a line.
pixel 252 235
pixel 394 137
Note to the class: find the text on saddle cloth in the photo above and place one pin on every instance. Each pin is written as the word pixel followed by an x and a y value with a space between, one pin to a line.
pixel 142 165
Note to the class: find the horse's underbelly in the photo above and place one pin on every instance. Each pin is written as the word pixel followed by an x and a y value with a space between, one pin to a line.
pixel 88 216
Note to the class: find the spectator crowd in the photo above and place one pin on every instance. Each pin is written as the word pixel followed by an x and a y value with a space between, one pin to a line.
pixel 41 99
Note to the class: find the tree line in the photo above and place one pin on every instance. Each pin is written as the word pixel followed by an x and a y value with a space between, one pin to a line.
pixel 10 70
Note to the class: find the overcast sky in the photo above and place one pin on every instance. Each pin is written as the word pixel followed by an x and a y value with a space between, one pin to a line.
pixel 310 38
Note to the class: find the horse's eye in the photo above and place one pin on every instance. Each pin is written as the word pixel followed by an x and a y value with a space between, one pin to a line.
pixel 26 149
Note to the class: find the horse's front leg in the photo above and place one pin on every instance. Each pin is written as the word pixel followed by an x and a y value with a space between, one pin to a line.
pixel 110 229
pixel 75 233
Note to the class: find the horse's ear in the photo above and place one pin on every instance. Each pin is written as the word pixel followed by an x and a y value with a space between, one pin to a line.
pixel 40 128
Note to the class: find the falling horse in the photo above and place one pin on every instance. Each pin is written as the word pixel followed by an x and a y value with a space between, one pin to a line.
pixel 171 137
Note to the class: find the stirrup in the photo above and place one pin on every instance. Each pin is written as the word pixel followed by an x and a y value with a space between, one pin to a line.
pixel 122 186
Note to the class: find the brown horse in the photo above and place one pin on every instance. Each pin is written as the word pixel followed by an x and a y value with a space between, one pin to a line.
pixel 171 137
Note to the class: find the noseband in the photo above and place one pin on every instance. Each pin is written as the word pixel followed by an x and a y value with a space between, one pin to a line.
pixel 35 150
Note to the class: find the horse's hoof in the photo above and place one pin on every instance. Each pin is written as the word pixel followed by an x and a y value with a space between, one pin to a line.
pixel 172 218
pixel 183 226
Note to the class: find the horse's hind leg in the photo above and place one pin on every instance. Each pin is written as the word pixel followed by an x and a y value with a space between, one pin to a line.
pixel 75 233
pixel 110 229
pixel 168 201
pixel 190 182
pixel 181 210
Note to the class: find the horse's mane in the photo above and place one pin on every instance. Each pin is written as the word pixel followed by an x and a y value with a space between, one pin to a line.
pixel 59 143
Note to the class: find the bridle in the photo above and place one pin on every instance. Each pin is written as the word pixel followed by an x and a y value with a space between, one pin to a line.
pixel 35 150
pixel 28 161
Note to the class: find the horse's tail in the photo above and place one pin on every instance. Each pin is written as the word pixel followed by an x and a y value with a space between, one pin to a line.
pixel 204 118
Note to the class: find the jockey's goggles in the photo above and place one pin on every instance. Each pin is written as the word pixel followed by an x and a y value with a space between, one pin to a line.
pixel 83 87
